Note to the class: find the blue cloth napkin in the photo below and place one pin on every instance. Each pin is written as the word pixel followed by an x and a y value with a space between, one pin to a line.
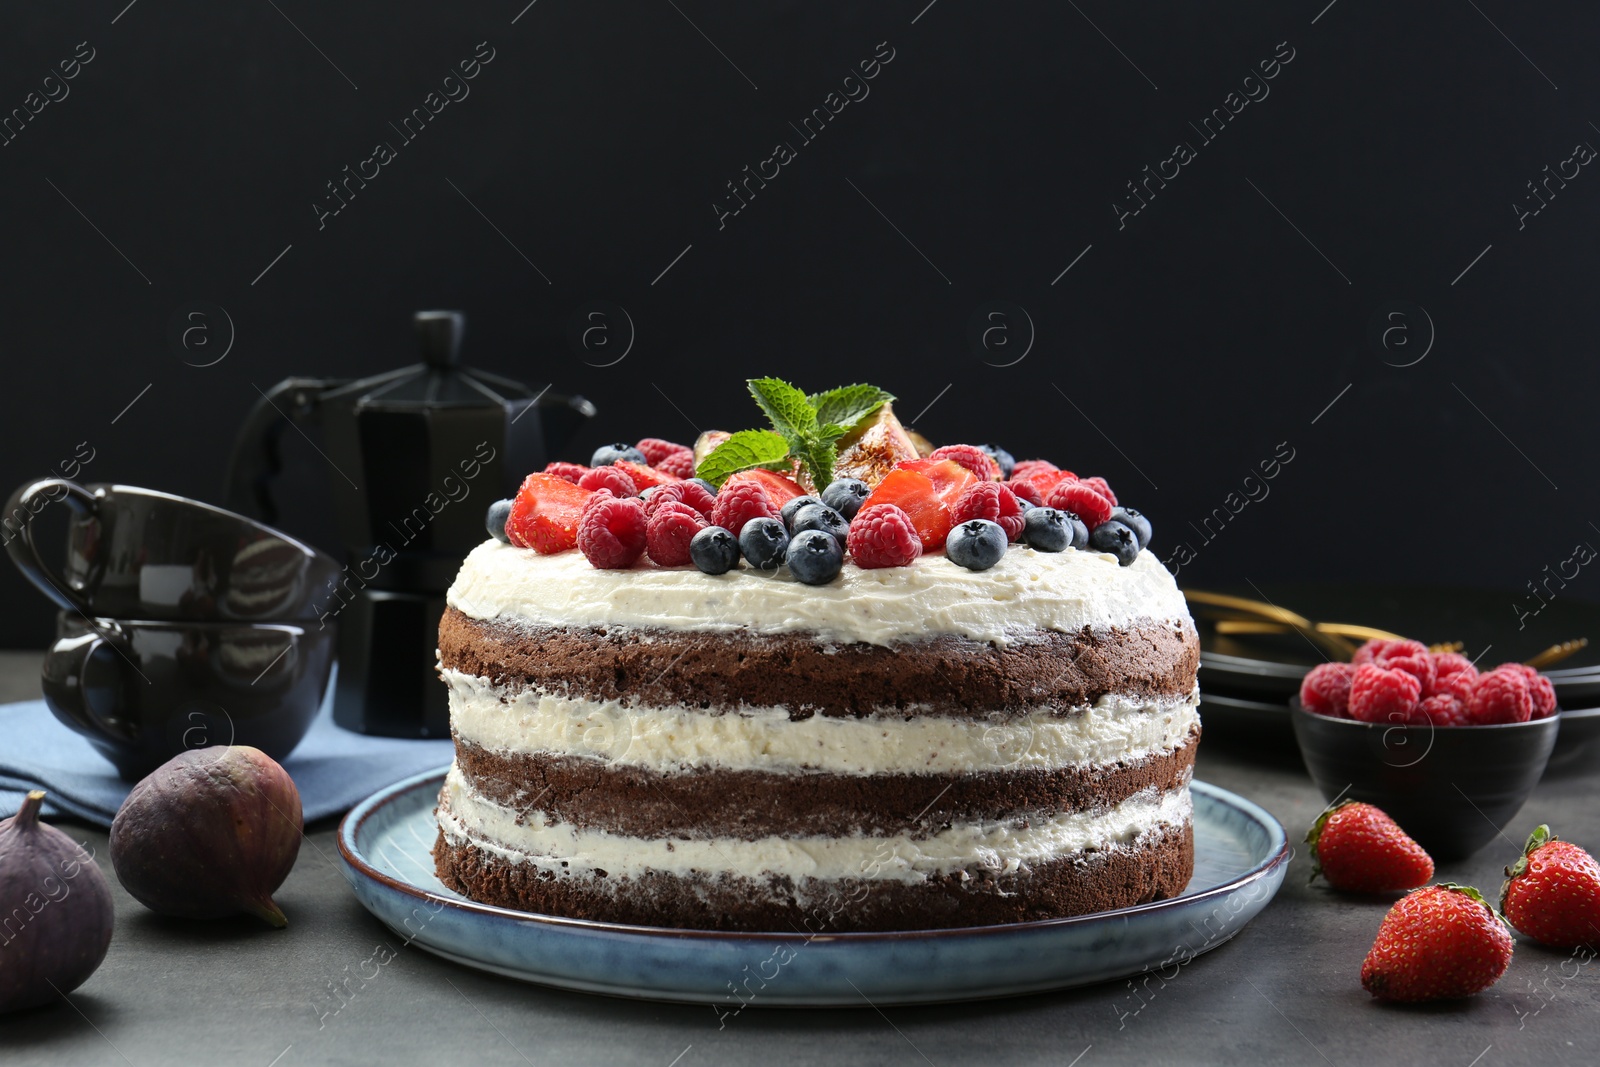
pixel 333 768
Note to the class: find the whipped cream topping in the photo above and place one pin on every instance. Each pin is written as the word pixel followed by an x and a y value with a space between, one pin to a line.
pixel 672 738
pixel 1026 592
pixel 465 816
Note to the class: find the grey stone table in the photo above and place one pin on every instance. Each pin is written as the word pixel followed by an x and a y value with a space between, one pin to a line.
pixel 1286 990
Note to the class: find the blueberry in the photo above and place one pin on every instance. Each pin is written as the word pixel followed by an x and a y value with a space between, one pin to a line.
pixel 1006 460
pixel 1080 530
pixel 976 545
pixel 707 486
pixel 814 557
pixel 1134 521
pixel 1025 504
pixel 606 455
pixel 786 513
pixel 763 542
pixel 820 517
pixel 644 494
pixel 714 550
pixel 1119 540
pixel 1048 529
pixel 845 495
pixel 495 520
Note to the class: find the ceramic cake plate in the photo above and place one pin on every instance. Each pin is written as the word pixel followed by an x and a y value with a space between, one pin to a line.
pixel 1241 856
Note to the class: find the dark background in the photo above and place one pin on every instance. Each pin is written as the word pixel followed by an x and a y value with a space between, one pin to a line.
pixel 1173 358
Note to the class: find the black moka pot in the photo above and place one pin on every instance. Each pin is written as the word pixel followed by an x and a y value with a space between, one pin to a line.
pixel 420 452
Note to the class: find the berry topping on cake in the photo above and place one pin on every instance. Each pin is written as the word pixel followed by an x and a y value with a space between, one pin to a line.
pixel 1378 694
pixel 1116 539
pixel 1082 500
pixel 568 471
pixel 1552 893
pixel 739 503
pixel 1437 943
pixel 779 489
pixel 927 491
pixel 714 550
pixel 814 557
pixel 1325 690
pixel 668 531
pixel 976 544
pixel 494 520
pixel 982 465
pixel 654 450
pixel 1359 849
pixel 1099 485
pixel 677 465
pixel 1049 530
pixel 786 513
pixel 845 495
pixel 763 542
pixel 819 517
pixel 992 501
pixel 1134 521
pixel 612 531
pixel 1500 696
pixel 644 477
pixel 1025 470
pixel 882 535
pixel 692 493
pixel 1025 490
pixel 1002 457
pixel 612 478
pixel 545 514
pixel 606 455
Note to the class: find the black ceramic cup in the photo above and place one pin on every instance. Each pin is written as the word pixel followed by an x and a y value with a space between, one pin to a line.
pixel 144 691
pixel 141 554
pixel 1452 788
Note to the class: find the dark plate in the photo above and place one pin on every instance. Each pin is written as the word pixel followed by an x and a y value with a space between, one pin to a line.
pixel 1269 667
pixel 1576 749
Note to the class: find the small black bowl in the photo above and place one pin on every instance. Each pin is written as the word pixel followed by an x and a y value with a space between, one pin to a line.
pixel 1452 788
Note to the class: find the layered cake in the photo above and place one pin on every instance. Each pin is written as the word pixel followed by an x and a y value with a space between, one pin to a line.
pixel 923 733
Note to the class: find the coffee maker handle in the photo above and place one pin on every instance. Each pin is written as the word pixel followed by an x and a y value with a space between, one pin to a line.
pixel 63 683
pixel 256 459
pixel 24 505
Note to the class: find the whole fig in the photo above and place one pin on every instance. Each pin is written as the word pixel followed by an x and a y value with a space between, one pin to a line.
pixel 211 832
pixel 55 911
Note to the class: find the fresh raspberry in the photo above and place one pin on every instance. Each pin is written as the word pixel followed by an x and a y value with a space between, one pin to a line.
pixel 691 493
pixel 1025 491
pixel 609 478
pixel 1539 688
pixel 611 534
pixel 1099 485
pixel 1326 689
pixel 992 501
pixel 669 530
pixel 882 536
pixel 570 472
pixel 1378 694
pixel 1418 665
pixel 1379 650
pixel 971 457
pixel 1449 663
pixel 1458 685
pixel 678 464
pixel 1500 696
pixel 1443 709
pixel 738 503
pixel 1025 470
pixel 1082 500
pixel 655 449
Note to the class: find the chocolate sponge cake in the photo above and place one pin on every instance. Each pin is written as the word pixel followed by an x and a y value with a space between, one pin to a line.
pixel 904 747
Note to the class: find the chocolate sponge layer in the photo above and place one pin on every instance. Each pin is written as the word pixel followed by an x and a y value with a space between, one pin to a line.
pixel 944 675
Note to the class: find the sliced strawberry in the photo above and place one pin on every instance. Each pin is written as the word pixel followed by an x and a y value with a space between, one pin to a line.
pixel 644 477
pixel 927 491
pixel 1045 481
pixel 779 489
pixel 545 514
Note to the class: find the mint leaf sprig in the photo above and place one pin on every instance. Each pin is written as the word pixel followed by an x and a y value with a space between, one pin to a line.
pixel 804 427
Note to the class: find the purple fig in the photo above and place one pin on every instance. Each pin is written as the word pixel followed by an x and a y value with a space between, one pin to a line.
pixel 209 833
pixel 55 911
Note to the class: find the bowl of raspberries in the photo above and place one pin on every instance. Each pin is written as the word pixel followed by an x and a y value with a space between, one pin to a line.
pixel 1427 736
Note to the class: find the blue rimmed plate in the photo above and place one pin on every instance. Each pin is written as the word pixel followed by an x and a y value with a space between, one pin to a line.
pixel 1241 855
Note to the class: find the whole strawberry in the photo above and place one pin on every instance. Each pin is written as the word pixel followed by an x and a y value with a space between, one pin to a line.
pixel 1552 893
pixel 1360 849
pixel 1438 943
